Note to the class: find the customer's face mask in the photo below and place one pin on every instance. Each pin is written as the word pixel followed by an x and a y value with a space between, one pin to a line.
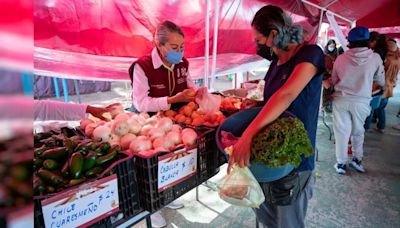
pixel 264 51
pixel 330 49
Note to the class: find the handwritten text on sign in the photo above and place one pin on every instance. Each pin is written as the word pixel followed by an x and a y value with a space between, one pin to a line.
pixel 176 167
pixel 82 206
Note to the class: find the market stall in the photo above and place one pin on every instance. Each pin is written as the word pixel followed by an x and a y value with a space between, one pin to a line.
pixel 125 165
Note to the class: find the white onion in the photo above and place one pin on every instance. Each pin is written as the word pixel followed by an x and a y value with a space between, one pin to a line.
pixel 145 130
pixel 114 140
pixel 84 123
pixel 122 116
pixel 126 140
pixel 189 138
pixel 165 124
pixel 121 128
pixel 188 130
pixel 152 120
pixel 174 137
pixel 90 128
pixel 138 145
pixel 116 109
pixel 163 142
pixel 155 133
pixel 134 126
pixel 145 115
pixel 102 133
pixel 176 128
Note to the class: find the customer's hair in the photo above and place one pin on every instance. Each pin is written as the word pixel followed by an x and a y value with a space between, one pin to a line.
pixel 272 17
pixel 331 41
pixel 163 29
pixel 359 43
pixel 373 36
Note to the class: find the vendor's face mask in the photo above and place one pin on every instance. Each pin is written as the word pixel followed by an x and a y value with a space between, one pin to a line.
pixel 264 51
pixel 174 57
pixel 330 49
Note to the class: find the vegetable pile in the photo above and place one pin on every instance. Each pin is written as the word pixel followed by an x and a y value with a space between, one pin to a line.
pixel 61 160
pixel 139 132
pixel 281 142
pixel 16 170
pixel 191 114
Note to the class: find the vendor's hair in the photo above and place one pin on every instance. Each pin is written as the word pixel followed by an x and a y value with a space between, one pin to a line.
pixel 161 34
pixel 272 17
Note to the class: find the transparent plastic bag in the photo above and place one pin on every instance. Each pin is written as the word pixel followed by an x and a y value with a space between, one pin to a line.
pixel 240 188
pixel 208 102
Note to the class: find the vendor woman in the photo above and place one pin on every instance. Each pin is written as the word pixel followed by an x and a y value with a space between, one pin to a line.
pixel 162 78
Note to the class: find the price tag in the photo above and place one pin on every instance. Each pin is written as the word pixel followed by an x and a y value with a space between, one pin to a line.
pixel 176 167
pixel 82 206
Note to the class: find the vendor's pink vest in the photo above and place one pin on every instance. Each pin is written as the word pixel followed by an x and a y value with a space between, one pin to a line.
pixel 158 78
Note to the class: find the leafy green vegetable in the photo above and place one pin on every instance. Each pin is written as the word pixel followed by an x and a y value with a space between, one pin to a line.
pixel 281 142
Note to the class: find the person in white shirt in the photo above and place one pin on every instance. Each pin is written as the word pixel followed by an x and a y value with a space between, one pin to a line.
pixel 352 77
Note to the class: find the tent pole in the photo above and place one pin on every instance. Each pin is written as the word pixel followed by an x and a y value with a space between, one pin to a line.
pixel 321 16
pixel 322 8
pixel 207 44
pixel 215 45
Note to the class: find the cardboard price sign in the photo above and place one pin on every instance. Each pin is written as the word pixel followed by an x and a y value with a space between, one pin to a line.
pixel 176 167
pixel 83 205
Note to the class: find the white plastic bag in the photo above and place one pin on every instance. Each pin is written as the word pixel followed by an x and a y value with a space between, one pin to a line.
pixel 240 188
pixel 208 102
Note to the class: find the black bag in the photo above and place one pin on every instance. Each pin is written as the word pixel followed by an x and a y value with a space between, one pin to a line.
pixel 286 190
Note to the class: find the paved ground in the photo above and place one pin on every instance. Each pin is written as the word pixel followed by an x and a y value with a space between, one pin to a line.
pixel 354 200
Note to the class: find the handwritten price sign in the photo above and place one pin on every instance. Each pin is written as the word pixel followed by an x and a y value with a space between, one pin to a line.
pixel 82 206
pixel 176 167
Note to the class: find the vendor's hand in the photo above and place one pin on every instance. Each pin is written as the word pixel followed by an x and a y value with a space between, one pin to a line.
pixel 187 95
pixel 98 111
pixel 326 84
pixel 241 153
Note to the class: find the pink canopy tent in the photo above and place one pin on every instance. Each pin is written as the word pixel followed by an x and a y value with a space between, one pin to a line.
pixel 99 39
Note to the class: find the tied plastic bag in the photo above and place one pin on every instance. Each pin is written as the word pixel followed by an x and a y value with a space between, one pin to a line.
pixel 240 188
pixel 209 103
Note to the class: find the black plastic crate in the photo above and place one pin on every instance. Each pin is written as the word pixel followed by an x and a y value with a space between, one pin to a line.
pixel 208 159
pixel 147 173
pixel 128 194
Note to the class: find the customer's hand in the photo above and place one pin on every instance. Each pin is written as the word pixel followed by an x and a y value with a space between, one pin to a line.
pixel 326 84
pixel 98 111
pixel 241 153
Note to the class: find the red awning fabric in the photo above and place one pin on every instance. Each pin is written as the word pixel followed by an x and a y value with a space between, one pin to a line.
pixel 123 28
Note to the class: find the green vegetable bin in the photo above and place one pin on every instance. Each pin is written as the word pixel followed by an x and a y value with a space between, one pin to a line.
pixel 236 124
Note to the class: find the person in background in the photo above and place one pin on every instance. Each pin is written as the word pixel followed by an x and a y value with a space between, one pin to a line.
pixel 293 83
pixel 352 77
pixel 392 67
pixel 331 53
pixel 161 81
pixel 332 50
pixel 377 42
pixel 162 78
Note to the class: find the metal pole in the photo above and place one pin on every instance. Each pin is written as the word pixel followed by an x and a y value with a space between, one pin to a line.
pixel 322 8
pixel 321 16
pixel 215 45
pixel 207 44
pixel 56 88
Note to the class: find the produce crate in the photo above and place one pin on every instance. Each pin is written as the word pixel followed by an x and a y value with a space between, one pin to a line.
pixel 208 154
pixel 147 173
pixel 128 193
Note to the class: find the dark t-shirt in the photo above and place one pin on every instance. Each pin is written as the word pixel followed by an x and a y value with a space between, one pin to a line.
pixel 306 105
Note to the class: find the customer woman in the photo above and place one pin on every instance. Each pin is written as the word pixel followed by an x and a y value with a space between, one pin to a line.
pixel 293 83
